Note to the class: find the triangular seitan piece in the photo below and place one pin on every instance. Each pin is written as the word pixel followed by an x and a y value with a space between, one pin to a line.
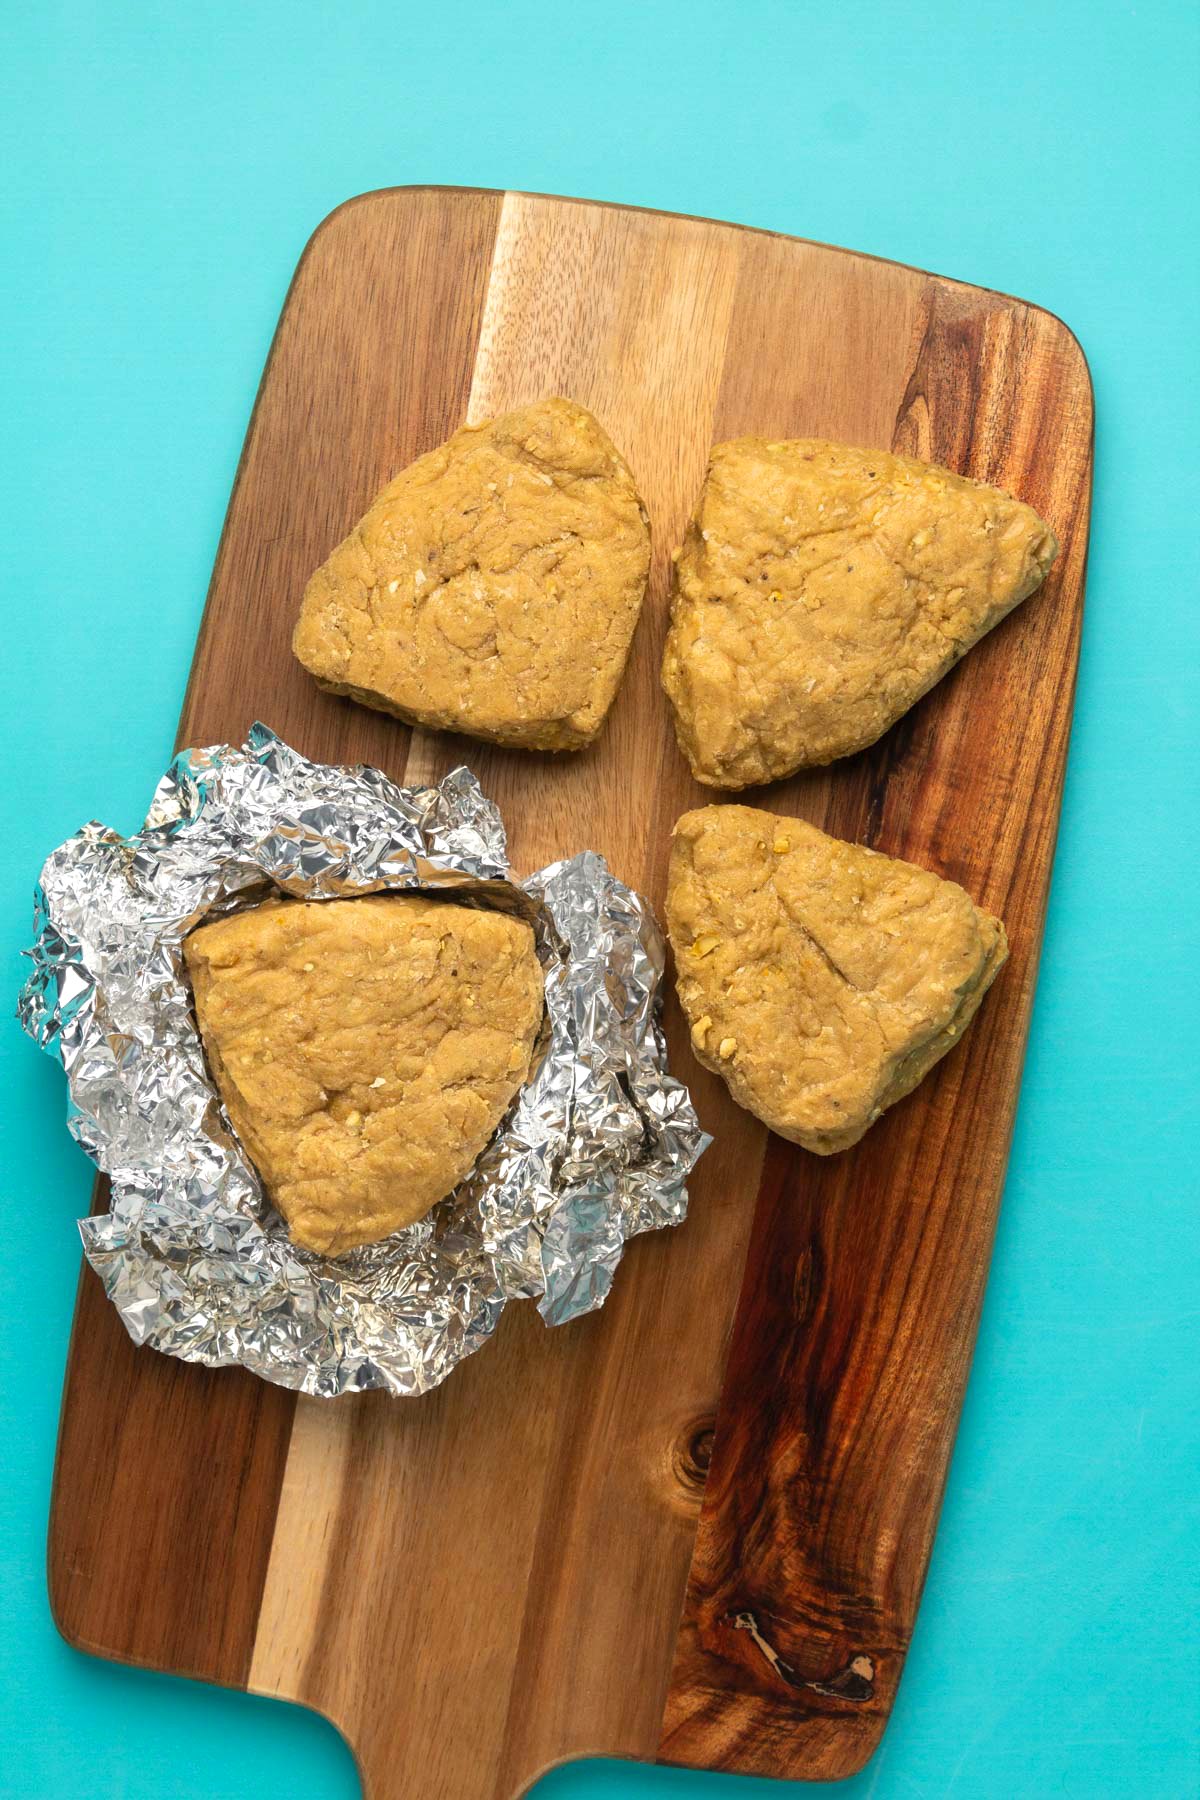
pixel 365 1049
pixel 821 590
pixel 820 979
pixel 493 587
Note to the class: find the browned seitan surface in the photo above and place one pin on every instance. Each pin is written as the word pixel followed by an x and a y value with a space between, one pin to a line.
pixel 493 587
pixel 365 1050
pixel 820 979
pixel 821 590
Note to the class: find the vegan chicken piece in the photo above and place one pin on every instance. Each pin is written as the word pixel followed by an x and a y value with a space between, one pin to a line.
pixel 820 979
pixel 493 587
pixel 821 590
pixel 365 1049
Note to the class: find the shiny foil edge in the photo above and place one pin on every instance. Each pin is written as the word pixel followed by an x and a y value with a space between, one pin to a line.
pixel 596 1148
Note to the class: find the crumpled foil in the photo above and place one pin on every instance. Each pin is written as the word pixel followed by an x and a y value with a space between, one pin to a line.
pixel 596 1148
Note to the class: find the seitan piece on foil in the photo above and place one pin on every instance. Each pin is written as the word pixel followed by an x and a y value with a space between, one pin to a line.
pixel 365 1050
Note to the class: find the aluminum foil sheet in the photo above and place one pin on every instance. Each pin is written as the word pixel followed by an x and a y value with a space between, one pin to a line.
pixel 596 1147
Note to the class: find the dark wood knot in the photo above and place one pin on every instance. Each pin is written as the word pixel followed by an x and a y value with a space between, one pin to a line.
pixel 692 1454
pixel 854 1681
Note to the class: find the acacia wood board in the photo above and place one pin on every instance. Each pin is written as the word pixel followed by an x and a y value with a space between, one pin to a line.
pixel 694 1526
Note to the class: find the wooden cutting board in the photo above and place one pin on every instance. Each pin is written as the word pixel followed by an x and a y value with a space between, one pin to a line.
pixel 695 1526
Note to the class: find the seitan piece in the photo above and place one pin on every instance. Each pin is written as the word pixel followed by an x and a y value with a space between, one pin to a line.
pixel 820 979
pixel 366 1050
pixel 821 590
pixel 493 587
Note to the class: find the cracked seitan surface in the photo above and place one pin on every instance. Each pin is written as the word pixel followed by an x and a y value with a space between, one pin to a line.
pixel 820 979
pixel 365 1050
pixel 493 587
pixel 821 590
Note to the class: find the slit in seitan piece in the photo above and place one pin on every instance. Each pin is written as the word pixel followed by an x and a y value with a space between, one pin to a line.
pixel 365 1050
pixel 820 979
pixel 821 590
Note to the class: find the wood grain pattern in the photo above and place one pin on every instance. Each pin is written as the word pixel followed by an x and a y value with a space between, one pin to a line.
pixel 527 1566
pixel 866 1272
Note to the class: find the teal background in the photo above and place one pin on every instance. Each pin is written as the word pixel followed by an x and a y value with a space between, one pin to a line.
pixel 164 165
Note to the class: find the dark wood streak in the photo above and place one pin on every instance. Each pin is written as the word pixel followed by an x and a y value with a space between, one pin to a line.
pixel 838 1413
pixel 948 361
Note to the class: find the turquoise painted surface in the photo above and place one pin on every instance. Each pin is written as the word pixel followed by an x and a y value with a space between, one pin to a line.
pixel 164 166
